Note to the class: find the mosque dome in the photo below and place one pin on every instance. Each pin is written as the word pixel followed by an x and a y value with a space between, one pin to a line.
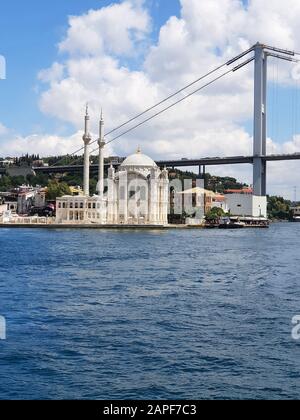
pixel 139 160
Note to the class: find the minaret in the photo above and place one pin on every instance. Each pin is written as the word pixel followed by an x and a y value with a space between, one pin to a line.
pixel 86 139
pixel 101 144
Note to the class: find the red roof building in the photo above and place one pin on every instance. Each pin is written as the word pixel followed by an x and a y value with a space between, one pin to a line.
pixel 245 190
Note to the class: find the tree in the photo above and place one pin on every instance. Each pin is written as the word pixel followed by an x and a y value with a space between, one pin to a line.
pixel 215 214
pixel 7 182
pixel 57 189
pixel 279 208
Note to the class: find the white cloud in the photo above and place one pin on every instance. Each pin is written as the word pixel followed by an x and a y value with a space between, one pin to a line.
pixel 114 29
pixel 13 144
pixel 53 74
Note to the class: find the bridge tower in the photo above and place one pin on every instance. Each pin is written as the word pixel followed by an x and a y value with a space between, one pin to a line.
pixel 260 121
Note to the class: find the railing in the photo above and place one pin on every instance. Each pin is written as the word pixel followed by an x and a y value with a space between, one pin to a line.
pixel 27 220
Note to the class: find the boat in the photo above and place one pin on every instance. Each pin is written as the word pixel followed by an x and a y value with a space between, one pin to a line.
pixel 244 223
pixel 295 214
pixel 231 223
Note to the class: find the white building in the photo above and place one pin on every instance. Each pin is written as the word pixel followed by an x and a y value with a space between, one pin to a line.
pixel 247 205
pixel 296 213
pixel 3 208
pixel 220 202
pixel 136 194
pixel 30 197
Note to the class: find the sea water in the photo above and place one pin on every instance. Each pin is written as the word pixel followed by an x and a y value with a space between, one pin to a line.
pixel 180 314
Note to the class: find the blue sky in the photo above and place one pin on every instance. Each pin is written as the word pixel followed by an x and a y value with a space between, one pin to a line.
pixel 29 33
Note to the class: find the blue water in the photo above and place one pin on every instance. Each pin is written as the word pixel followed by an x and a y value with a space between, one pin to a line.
pixel 150 315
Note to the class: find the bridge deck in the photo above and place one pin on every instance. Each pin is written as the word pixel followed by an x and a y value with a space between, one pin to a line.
pixel 182 163
pixel 209 161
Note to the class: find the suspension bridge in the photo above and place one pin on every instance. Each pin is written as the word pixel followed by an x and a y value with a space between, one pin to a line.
pixel 260 54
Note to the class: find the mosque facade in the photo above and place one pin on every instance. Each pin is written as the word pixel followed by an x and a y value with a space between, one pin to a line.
pixel 137 193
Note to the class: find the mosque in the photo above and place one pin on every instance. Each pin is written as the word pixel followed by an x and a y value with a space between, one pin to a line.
pixel 136 194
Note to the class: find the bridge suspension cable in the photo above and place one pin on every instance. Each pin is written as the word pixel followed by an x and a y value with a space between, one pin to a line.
pixel 174 104
pixel 233 60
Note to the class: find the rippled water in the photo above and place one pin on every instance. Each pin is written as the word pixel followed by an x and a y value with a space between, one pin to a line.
pixel 148 315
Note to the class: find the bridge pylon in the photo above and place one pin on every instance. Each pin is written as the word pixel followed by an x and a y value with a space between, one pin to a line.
pixel 260 121
pixel 261 54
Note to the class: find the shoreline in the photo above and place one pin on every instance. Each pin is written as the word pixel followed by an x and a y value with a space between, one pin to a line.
pixel 95 227
pixel 55 226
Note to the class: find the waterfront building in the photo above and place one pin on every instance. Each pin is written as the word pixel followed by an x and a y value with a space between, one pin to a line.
pixel 247 205
pixel 296 213
pixel 196 200
pixel 136 194
pixel 20 200
pixel 220 202
pixel 30 197
pixel 244 203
